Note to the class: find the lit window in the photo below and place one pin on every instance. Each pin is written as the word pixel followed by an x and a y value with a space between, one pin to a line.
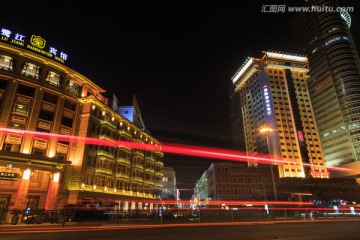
pixel 6 62
pixel 17 125
pixel 21 109
pixel 54 79
pixel 73 87
pixel 31 70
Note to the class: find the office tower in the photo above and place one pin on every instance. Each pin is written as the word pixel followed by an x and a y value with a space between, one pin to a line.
pixel 277 113
pixel 334 83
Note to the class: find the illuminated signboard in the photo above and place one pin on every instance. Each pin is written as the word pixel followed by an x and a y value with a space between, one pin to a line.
pixel 9 176
pixel 318 174
pixel 301 138
pixel 267 100
pixel 34 43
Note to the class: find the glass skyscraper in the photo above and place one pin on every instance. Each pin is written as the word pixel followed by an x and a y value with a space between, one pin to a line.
pixel 334 83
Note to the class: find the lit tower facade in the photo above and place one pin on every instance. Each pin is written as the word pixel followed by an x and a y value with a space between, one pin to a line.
pixel 334 85
pixel 274 94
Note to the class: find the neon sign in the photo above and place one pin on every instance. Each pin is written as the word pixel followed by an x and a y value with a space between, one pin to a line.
pixel 319 174
pixel 267 100
pixel 35 43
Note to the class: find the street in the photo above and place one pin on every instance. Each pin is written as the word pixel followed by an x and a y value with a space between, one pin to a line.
pixel 308 229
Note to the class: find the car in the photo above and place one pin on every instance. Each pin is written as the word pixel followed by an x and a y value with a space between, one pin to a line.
pixel 313 214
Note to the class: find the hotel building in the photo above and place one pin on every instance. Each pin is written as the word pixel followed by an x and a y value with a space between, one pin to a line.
pixel 334 83
pixel 65 112
pixel 274 96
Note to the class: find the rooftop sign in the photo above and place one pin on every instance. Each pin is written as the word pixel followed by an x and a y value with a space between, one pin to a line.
pixel 34 43
pixel 286 57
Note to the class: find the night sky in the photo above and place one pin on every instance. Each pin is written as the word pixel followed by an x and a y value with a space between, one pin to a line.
pixel 178 59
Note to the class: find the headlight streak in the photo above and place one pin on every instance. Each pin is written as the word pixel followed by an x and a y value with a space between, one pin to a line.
pixel 181 149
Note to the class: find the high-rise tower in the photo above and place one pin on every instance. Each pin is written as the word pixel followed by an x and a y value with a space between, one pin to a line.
pixel 274 94
pixel 334 83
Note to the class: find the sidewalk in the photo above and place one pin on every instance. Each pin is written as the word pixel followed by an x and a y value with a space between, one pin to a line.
pixel 99 223
pixel 109 223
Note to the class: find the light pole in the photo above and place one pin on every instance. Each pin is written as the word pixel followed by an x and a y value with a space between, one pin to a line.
pixel 266 131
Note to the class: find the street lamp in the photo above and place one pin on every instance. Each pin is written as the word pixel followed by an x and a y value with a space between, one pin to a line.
pixel 266 131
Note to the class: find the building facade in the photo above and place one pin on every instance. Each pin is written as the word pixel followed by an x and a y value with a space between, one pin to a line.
pixel 57 135
pixel 234 182
pixel 334 83
pixel 237 130
pixel 168 183
pixel 274 96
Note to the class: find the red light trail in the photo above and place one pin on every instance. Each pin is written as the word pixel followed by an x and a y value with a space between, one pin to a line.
pixel 181 149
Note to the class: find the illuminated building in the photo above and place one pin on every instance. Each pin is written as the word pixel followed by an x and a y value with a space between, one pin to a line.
pixel 234 182
pixel 39 93
pixel 334 83
pixel 168 183
pixel 274 95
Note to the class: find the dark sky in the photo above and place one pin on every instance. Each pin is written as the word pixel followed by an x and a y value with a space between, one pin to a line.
pixel 177 58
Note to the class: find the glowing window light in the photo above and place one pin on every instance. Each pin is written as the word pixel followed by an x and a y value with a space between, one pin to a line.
pixel 56 177
pixel 26 174
pixel 51 154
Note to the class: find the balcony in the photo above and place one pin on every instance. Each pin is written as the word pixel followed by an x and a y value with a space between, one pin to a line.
pixel 138 152
pixel 158 185
pixel 122 160
pixel 139 166
pixel 149 182
pixel 104 136
pixel 159 163
pixel 139 140
pixel 104 153
pixel 125 148
pixel 161 154
pixel 107 122
pixel 159 174
pixel 122 175
pixel 149 170
pixel 103 171
pixel 149 158
pixel 125 133
pixel 137 179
